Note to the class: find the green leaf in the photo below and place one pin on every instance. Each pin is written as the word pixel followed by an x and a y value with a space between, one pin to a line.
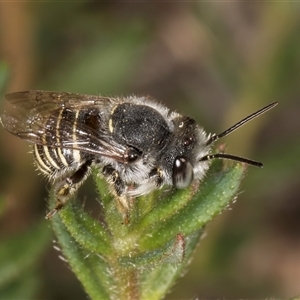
pixel 172 252
pixel 214 194
pixel 157 282
pixel 142 260
pixel 86 231
pixel 83 263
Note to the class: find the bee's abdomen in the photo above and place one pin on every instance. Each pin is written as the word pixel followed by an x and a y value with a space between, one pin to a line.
pixel 50 159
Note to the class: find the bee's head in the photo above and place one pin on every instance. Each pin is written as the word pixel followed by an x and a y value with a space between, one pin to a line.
pixel 187 147
pixel 193 162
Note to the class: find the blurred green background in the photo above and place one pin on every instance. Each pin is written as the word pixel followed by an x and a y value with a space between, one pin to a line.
pixel 214 61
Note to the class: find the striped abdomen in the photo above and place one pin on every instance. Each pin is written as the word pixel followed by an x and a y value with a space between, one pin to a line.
pixel 61 128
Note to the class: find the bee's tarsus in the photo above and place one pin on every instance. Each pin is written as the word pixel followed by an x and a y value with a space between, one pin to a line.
pixel 52 212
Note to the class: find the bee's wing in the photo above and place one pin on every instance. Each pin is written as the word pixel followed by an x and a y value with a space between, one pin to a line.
pixel 47 100
pixel 35 115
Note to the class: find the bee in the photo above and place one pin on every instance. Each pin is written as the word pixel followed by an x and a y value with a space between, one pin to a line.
pixel 137 144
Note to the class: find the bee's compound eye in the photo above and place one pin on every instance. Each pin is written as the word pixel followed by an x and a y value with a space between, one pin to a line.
pixel 183 173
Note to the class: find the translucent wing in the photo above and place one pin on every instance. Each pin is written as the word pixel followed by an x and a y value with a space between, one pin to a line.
pixel 47 100
pixel 35 116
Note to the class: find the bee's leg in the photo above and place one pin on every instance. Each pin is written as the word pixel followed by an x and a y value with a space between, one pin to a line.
pixel 119 187
pixel 158 175
pixel 66 187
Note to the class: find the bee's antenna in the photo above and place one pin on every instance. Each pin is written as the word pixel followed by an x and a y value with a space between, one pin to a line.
pixel 232 157
pixel 215 137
